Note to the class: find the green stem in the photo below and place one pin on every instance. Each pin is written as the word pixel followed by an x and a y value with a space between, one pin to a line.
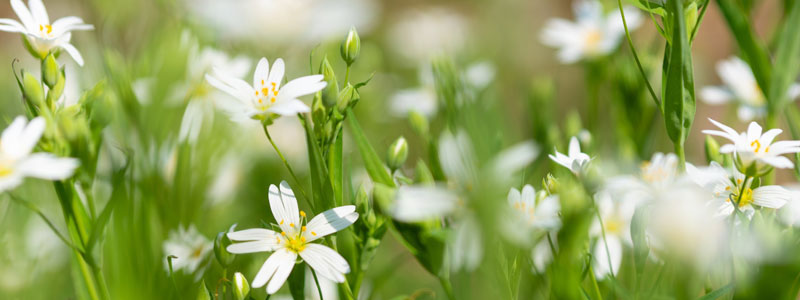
pixel 448 288
pixel 636 57
pixel 595 286
pixel 680 152
pixel 347 75
pixel 44 218
pixel 316 281
pixel 88 277
pixel 285 162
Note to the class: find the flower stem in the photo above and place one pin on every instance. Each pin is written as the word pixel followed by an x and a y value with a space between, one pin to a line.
pixel 636 57
pixel 681 153
pixel 285 162
pixel 316 281
pixel 448 289
pixel 347 75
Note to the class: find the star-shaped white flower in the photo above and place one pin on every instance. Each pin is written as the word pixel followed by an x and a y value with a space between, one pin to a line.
pixel 266 97
pixel 17 161
pixel 740 86
pixel 754 146
pixel 527 215
pixel 576 161
pixel 593 33
pixel 41 34
pixel 189 246
pixel 616 215
pixel 294 240
pixel 726 186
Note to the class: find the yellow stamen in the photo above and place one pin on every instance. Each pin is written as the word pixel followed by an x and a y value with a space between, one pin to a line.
pixel 291 225
pixel 283 233
pixel 758 145
pixel 281 222
pixel 303 228
pixel 313 233
pixel 302 213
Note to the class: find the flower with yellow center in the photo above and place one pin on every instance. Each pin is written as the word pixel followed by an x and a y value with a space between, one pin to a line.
pixel 729 188
pixel 575 160
pixel 614 231
pixel 756 147
pixel 591 35
pixel 295 239
pixel 266 97
pixel 17 160
pixel 529 215
pixel 189 247
pixel 42 35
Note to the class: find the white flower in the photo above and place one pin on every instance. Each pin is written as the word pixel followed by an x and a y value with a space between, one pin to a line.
pixel 422 203
pixel 593 34
pixel 266 97
pixel 421 100
pixel 294 240
pixel 753 146
pixel 17 161
pixel 728 185
pixel 41 34
pixel 576 161
pixel 616 215
pixel 528 215
pixel 423 33
pixel 657 177
pixel 790 213
pixel 189 246
pixel 740 86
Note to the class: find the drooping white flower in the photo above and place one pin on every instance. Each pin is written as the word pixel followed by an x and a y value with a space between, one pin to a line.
pixel 189 246
pixel 295 239
pixel 616 215
pixel 593 33
pixel 422 203
pixel 17 160
pixel 265 97
pixel 576 161
pixel 729 187
pixel 740 86
pixel 754 146
pixel 43 36
pixel 528 215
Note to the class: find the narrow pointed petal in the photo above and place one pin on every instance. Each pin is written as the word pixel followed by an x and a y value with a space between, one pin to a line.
pixel 330 221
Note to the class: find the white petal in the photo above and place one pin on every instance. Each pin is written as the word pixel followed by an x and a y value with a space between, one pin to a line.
pixel 20 137
pixel 302 86
pixel 753 131
pixel 284 208
pixel 275 270
pixel 330 221
pixel 771 196
pixel 261 74
pixel 326 262
pixel 289 107
pixel 602 257
pixel 191 123
pixel 276 73
pixel 421 203
pixel 466 250
pixel 253 246
pixel 47 166
pixel 513 196
pixel 10 181
pixel 778 162
pixel 574 147
pixel 38 11
pixel 76 55
pixel 515 158
pixel 24 15
pixel 716 95
pixel 10 25
pixel 252 234
pixel 528 195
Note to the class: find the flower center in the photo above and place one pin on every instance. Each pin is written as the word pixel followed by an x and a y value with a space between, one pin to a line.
pixel 746 199
pixel 198 251
pixel 756 145
pixel 267 95
pixel 46 30
pixel 592 40
pixel 294 240
pixel 525 210
pixel 613 225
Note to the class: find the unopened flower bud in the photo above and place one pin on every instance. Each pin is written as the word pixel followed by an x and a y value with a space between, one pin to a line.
pixel 57 90
pixel 330 94
pixel 347 95
pixel 398 152
pixel 712 150
pixel 222 242
pixel 50 71
pixel 32 89
pixel 419 123
pixel 362 200
pixel 351 46
pixel 550 183
pixel 240 286
pixel 202 292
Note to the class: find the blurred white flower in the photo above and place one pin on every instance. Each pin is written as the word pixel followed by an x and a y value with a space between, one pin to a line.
pixel 189 246
pixel 421 100
pixel 422 203
pixel 266 97
pixel 576 161
pixel 593 33
pixel 727 185
pixel 657 177
pixel 542 253
pixel 228 176
pixel 527 215
pixel 480 74
pixel 17 160
pixel 420 34
pixel 790 213
pixel 616 215
pixel 289 22
pixel 40 33
pixel 754 147
pixel 740 86
pixel 294 239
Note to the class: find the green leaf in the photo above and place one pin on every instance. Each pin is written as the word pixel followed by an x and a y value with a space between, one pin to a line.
pixel 335 169
pixel 717 293
pixel 317 169
pixel 787 59
pixel 752 50
pixel 679 98
pixel 372 162
pixel 297 282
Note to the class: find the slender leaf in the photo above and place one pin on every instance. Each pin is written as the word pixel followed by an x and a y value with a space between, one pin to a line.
pixel 372 162
pixel 752 50
pixel 787 59
pixel 679 100
pixel 717 293
pixel 335 169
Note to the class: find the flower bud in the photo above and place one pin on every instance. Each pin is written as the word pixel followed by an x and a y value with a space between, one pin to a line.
pixel 57 90
pixel 222 241
pixel 330 94
pixel 419 123
pixel 240 286
pixel 351 46
pixel 32 89
pixel 202 292
pixel 398 152
pixel 422 174
pixel 712 150
pixel 550 184
pixel 347 95
pixel 362 200
pixel 50 70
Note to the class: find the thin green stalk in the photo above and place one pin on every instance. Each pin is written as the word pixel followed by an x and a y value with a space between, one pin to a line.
pixel 316 281
pixel 44 218
pixel 699 20
pixel 347 75
pixel 636 57
pixel 448 289
pixel 595 286
pixel 681 153
pixel 285 162
pixel 88 277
